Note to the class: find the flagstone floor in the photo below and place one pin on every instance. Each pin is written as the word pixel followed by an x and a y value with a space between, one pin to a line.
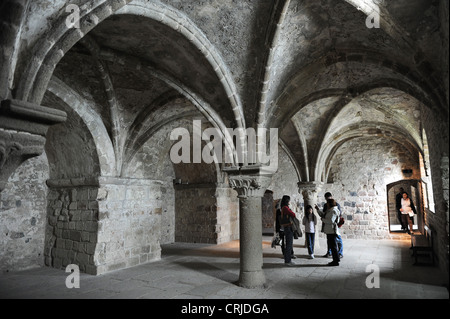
pixel 370 269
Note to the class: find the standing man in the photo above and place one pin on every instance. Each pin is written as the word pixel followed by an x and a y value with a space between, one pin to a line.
pixel 338 237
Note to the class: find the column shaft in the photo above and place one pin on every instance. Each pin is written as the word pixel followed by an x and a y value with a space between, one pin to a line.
pixel 250 187
pixel 250 230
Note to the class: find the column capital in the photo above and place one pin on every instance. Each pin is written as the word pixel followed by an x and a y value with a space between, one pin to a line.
pixel 310 186
pixel 23 127
pixel 249 181
pixel 309 190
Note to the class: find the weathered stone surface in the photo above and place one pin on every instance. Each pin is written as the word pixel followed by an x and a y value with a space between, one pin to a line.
pixel 355 107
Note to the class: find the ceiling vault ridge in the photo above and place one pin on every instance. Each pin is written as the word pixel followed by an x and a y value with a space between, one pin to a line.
pixel 118 133
pixel 204 107
pixel 278 15
pixel 181 23
pixel 370 129
pixel 53 45
pixel 410 83
pixel 138 141
pixel 91 119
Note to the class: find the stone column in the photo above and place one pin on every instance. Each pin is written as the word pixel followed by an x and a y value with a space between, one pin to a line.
pixel 309 191
pixel 23 127
pixel 250 183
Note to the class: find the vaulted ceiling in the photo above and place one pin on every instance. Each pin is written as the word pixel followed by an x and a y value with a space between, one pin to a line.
pixel 313 69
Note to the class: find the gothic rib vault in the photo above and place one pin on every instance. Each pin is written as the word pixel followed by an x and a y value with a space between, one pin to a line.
pixel 354 107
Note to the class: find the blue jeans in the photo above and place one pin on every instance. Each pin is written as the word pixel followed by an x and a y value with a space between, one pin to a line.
pixel 332 240
pixel 289 239
pixel 340 245
pixel 310 237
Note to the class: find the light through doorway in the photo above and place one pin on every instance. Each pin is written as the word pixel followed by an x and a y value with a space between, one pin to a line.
pixel 414 189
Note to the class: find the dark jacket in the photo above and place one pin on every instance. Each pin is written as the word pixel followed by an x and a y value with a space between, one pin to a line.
pixel 293 221
pixel 277 221
pixel 398 201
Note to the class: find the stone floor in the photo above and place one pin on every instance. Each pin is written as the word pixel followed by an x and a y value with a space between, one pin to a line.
pixel 200 271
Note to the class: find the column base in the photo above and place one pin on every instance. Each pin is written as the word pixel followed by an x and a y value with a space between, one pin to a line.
pixel 252 279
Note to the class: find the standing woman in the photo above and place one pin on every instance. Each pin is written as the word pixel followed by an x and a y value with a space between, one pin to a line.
pixel 288 231
pixel 408 210
pixel 310 222
pixel 330 228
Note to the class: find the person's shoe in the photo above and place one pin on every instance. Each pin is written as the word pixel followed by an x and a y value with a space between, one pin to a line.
pixel 294 257
pixel 327 255
pixel 290 264
pixel 341 256
pixel 311 256
pixel 333 263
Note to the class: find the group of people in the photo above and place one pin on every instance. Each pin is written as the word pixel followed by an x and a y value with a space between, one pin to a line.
pixel 329 215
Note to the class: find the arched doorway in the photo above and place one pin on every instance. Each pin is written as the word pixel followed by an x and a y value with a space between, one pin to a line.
pixel 414 188
pixel 268 219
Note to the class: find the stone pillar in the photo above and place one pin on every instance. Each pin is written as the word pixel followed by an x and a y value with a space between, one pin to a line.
pixel 250 183
pixel 309 191
pixel 23 127
pixel 103 223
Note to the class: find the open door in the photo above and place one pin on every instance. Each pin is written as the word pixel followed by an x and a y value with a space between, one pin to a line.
pixel 414 188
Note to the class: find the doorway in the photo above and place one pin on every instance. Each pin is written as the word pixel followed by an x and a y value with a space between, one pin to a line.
pixel 267 213
pixel 414 189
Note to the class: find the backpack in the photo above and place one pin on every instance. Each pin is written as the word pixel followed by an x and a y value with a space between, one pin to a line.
pixel 340 222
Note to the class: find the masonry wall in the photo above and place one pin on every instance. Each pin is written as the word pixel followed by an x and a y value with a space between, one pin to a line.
pixel 71 232
pixel 23 216
pixel 361 169
pixel 129 223
pixel 104 227
pixel 284 181
pixel 227 226
pixel 206 214
pixel 438 219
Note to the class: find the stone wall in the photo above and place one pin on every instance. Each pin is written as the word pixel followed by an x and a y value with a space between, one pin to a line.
pixel 438 219
pixel 23 216
pixel 129 223
pixel 361 170
pixel 71 233
pixel 206 214
pixel 168 212
pixel 103 225
pixel 284 181
pixel 227 226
